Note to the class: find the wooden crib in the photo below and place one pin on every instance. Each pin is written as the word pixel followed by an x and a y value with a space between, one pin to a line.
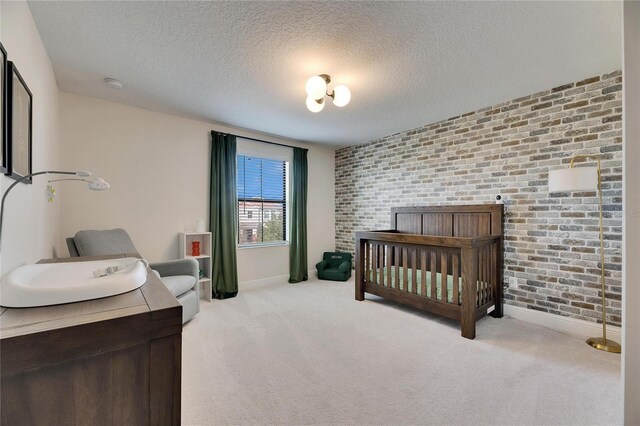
pixel 446 260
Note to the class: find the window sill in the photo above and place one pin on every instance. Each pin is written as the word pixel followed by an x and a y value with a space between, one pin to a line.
pixel 263 245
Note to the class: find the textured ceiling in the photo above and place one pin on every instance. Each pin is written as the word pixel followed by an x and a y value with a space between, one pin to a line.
pixel 245 63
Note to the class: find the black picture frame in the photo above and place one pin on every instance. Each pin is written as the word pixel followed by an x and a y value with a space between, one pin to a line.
pixel 4 105
pixel 19 122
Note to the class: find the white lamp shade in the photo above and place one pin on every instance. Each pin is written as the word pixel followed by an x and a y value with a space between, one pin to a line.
pixel 313 105
pixel 316 87
pixel 573 179
pixel 341 95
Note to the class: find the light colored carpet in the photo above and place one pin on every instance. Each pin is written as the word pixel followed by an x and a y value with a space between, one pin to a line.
pixel 310 354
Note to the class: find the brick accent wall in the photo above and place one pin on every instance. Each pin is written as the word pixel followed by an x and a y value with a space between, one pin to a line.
pixel 551 240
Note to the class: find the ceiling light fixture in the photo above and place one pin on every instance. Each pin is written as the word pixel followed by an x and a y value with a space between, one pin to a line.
pixel 316 88
pixel 112 83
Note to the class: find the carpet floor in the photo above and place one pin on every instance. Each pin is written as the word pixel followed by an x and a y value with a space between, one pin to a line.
pixel 308 353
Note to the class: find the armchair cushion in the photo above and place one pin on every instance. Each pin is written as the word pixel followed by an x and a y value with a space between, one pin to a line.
pixel 103 242
pixel 179 276
pixel 345 266
pixel 176 267
pixel 179 284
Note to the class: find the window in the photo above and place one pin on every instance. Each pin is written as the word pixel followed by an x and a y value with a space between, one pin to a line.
pixel 262 200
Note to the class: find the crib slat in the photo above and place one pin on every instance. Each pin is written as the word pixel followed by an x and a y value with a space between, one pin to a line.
pixel 389 257
pixel 375 266
pixel 434 284
pixel 414 265
pixel 371 263
pixel 456 279
pixel 367 257
pixel 383 259
pixel 397 267
pixel 405 269
pixel 443 276
pixel 381 255
pixel 389 266
pixel 481 275
pixel 381 264
pixel 423 271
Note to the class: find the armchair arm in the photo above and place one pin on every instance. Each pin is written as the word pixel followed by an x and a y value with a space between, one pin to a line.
pixel 177 267
pixel 320 266
pixel 345 266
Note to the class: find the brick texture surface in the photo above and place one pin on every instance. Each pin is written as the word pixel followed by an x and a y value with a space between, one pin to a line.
pixel 552 248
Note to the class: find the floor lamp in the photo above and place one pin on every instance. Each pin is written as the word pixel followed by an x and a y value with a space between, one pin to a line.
pixel 587 179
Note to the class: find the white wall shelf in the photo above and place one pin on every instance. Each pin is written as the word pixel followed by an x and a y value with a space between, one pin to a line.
pixel 204 258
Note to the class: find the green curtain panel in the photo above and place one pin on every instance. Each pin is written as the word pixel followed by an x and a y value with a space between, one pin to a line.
pixel 298 237
pixel 223 220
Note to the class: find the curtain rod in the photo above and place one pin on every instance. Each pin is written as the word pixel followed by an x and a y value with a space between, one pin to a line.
pixel 263 141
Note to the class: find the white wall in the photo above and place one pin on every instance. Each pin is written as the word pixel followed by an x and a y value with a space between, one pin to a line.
pixel 30 230
pixel 158 167
pixel 631 226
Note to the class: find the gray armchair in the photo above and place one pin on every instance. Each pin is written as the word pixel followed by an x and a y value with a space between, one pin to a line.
pixel 180 276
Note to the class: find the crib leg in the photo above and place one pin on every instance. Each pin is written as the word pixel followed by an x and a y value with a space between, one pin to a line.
pixel 468 329
pixel 359 286
pixel 359 293
pixel 468 320
pixel 359 270
pixel 469 267
pixel 498 312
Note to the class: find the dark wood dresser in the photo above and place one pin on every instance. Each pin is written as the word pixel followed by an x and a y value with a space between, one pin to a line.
pixel 110 361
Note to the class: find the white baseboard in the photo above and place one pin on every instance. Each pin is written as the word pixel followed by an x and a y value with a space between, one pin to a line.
pixel 279 279
pixel 567 325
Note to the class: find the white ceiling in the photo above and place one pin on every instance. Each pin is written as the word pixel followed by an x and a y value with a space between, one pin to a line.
pixel 245 63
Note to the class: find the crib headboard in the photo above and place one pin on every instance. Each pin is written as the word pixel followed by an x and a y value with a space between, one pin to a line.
pixel 449 221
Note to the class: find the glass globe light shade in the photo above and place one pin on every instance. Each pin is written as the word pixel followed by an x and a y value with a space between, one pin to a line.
pixel 313 105
pixel 316 87
pixel 341 95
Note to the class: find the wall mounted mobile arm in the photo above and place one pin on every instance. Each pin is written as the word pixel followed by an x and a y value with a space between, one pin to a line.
pixel 99 184
pixel 96 184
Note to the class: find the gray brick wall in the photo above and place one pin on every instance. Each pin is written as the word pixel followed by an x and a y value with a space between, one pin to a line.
pixel 551 241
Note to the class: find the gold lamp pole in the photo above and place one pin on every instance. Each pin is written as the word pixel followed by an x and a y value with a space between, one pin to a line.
pixel 580 179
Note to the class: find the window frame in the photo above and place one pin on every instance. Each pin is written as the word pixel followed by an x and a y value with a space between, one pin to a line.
pixel 266 152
